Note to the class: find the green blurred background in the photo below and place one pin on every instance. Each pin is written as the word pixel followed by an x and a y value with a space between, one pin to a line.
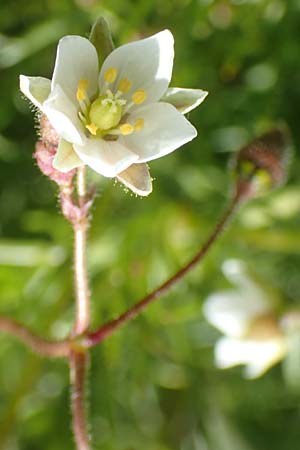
pixel 153 385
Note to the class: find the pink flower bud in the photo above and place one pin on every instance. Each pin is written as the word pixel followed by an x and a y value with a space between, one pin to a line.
pixel 44 155
pixel 45 152
pixel 48 135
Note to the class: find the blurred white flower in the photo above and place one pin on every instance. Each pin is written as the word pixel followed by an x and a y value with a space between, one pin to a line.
pixel 253 336
pixel 112 120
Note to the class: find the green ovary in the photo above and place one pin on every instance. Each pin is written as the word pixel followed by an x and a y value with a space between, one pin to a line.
pixel 105 114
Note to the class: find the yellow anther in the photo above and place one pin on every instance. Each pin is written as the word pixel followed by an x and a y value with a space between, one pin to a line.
pixel 81 93
pixel 124 85
pixel 126 129
pixel 139 96
pixel 139 124
pixel 110 75
pixel 92 128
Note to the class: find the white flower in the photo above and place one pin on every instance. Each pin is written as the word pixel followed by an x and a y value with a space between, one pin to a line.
pixel 252 333
pixel 112 119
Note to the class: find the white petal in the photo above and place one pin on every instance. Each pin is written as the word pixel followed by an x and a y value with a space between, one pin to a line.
pixel 76 60
pixel 184 100
pixel 258 356
pixel 228 312
pixel 165 129
pixel 147 63
pixel 230 352
pixel 37 89
pixel 108 158
pixel 66 159
pixel 232 311
pixel 137 178
pixel 62 115
pixel 236 272
pixel 264 355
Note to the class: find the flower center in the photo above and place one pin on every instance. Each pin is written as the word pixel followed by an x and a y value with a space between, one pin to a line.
pixel 105 115
pixel 106 111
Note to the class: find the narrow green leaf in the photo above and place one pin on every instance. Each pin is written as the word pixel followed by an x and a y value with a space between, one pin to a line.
pixel 101 38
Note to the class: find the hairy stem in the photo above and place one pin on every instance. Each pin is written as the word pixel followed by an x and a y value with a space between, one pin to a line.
pixel 78 369
pixel 79 359
pixel 37 344
pixel 107 329
pixel 80 266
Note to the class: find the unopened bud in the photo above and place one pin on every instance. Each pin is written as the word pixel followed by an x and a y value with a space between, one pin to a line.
pixel 45 151
pixel 262 165
pixel 47 133
pixel 44 155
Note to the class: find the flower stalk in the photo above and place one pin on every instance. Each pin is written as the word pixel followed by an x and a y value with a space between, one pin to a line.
pixel 80 265
pixel 109 328
pixel 78 359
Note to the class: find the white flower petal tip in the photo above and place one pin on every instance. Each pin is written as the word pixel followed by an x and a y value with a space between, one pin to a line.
pixel 257 355
pixel 275 351
pixel 137 178
pixel 109 158
pixel 165 130
pixel 76 60
pixel 65 159
pixel 233 269
pixel 36 89
pixel 232 311
pixel 184 100
pixel 146 64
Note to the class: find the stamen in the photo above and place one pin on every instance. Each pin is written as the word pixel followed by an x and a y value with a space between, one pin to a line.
pixel 81 93
pixel 92 128
pixel 82 117
pixel 126 129
pixel 139 124
pixel 110 75
pixel 109 94
pixel 139 96
pixel 124 85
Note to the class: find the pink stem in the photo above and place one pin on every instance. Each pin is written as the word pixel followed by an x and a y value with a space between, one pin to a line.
pixel 107 329
pixel 78 359
pixel 80 264
pixel 78 369
pixel 37 344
